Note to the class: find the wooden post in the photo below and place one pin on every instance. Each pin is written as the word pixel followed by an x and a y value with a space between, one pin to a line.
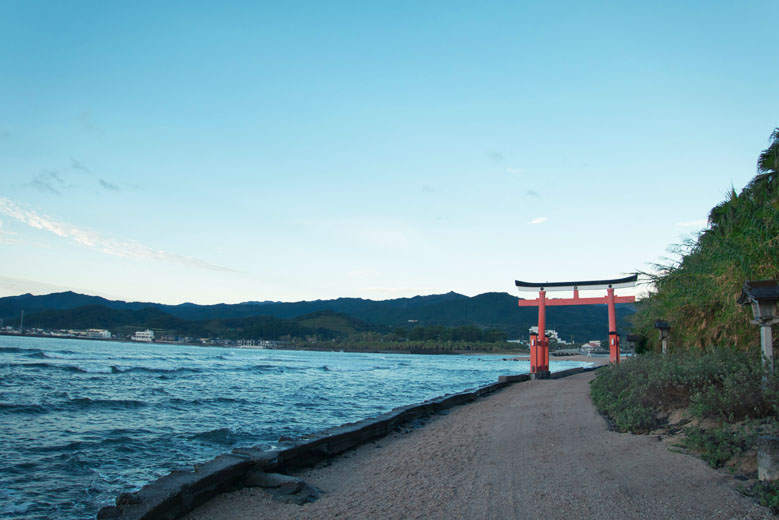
pixel 543 342
pixel 613 336
pixel 767 348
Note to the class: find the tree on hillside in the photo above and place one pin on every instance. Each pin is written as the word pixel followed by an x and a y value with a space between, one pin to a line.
pixel 768 162
pixel 768 166
pixel 698 293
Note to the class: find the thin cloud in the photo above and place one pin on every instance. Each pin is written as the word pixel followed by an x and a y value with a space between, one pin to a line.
pixel 693 223
pixel 48 181
pixel 94 240
pixel 108 186
pixel 6 237
pixel 87 124
pixel 515 171
pixel 77 165
pixel 539 220
pixel 495 156
pixel 12 286
pixel 43 186
pixel 533 193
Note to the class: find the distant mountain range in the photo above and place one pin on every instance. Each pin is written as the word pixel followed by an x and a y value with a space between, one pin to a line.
pixel 488 310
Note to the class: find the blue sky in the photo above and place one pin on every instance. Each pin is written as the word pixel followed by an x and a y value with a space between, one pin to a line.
pixel 190 151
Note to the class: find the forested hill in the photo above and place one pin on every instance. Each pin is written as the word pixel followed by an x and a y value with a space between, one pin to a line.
pixel 487 311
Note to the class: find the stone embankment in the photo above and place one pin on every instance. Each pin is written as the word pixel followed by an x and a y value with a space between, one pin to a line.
pixel 179 492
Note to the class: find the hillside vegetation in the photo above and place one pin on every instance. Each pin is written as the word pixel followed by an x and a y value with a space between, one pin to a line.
pixel 707 392
pixel 697 295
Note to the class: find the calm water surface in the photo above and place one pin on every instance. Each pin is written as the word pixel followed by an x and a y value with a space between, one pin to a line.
pixel 83 421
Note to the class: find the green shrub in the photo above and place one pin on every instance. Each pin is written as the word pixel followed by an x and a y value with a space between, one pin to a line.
pixel 718 445
pixel 767 494
pixel 723 384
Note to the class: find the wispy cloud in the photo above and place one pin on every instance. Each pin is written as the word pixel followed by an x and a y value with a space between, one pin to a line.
pixel 108 186
pixel 94 240
pixel 495 156
pixel 533 193
pixel 87 124
pixel 515 171
pixel 77 165
pixel 693 223
pixel 6 237
pixel 43 186
pixel 539 220
pixel 48 181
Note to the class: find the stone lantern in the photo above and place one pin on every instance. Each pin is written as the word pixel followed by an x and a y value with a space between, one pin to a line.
pixel 762 296
pixel 633 339
pixel 664 329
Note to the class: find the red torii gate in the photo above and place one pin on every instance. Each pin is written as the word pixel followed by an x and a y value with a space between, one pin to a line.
pixel 539 344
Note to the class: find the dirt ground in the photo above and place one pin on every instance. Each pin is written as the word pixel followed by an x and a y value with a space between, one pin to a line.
pixel 536 450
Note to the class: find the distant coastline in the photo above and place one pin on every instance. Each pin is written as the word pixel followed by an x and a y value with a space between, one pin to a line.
pixel 291 346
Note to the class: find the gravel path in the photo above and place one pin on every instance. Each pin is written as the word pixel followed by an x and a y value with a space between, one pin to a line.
pixel 536 450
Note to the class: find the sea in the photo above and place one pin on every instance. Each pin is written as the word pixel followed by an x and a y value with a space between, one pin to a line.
pixel 82 421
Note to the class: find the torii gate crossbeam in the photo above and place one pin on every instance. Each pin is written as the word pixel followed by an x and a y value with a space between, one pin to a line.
pixel 539 344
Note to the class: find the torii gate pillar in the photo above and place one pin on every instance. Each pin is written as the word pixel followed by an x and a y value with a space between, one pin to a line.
pixel 539 343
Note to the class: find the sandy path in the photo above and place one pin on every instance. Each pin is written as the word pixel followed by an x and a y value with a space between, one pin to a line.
pixel 536 450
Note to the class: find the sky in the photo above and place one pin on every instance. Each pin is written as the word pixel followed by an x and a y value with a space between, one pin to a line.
pixel 247 151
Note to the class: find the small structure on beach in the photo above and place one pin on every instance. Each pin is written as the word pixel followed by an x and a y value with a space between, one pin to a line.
pixel 144 336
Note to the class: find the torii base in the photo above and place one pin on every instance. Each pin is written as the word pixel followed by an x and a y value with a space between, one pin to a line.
pixel 542 374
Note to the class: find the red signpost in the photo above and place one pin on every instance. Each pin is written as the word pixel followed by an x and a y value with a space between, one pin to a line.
pixel 539 343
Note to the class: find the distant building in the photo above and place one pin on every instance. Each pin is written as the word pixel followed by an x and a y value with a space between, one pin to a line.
pixel 592 346
pixel 98 333
pixel 146 336
pixel 550 333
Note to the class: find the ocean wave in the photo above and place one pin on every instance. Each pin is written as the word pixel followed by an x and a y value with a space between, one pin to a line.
pixel 270 368
pixel 154 370
pixel 22 408
pixel 16 350
pixel 13 503
pixel 88 402
pixel 263 367
pixel 60 354
pixel 122 437
pixel 84 369
pixel 212 400
pixel 337 368
pixel 224 436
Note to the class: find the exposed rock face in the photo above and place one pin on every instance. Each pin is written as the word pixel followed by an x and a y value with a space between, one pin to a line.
pixel 284 488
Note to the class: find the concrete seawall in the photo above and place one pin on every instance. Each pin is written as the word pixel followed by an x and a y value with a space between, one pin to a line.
pixel 179 492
